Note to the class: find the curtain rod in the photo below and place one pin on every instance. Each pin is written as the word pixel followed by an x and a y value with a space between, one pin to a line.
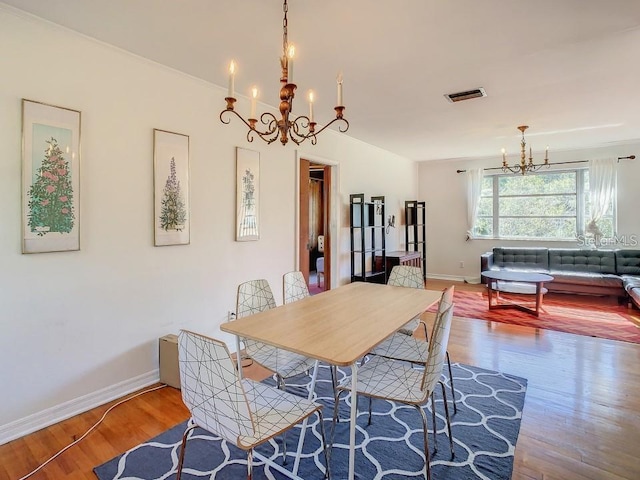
pixel 628 157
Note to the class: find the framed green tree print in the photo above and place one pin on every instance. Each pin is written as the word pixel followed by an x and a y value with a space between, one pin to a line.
pixel 50 178
pixel 247 195
pixel 171 188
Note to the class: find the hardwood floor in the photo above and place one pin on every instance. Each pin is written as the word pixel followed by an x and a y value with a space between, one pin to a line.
pixel 581 416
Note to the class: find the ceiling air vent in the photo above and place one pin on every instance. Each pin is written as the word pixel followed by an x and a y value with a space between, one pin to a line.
pixel 468 95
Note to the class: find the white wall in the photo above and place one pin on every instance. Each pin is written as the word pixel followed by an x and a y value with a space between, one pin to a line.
pixel 78 328
pixel 444 192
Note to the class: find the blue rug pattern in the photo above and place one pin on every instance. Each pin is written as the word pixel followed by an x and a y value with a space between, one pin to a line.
pixel 485 431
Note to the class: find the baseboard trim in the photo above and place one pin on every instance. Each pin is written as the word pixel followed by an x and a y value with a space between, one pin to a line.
pixel 68 409
pixel 453 278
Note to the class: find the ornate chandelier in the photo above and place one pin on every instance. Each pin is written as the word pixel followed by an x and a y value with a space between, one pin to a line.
pixel 297 129
pixel 524 166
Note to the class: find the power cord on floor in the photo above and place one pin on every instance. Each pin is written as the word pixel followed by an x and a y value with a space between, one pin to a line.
pixel 91 429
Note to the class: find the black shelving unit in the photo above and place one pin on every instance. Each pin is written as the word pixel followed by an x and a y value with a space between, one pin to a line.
pixel 415 230
pixel 367 238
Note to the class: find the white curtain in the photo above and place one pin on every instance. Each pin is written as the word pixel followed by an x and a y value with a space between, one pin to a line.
pixel 474 191
pixel 602 188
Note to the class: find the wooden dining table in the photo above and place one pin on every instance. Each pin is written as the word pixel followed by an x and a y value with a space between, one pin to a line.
pixel 338 327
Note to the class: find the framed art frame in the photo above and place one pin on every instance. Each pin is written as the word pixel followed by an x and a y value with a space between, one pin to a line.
pixel 50 178
pixel 171 188
pixel 247 195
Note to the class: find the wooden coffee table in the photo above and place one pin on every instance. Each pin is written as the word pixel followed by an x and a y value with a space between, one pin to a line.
pixel 521 283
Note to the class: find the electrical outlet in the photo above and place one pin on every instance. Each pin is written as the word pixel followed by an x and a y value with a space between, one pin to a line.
pixel 230 316
pixel 461 264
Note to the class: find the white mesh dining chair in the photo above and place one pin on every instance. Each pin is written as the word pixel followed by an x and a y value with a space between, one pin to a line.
pixel 407 276
pixel 388 379
pixel 294 287
pixel 405 347
pixel 255 296
pixel 243 412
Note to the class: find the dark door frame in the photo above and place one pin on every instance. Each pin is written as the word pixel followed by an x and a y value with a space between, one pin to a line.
pixel 331 246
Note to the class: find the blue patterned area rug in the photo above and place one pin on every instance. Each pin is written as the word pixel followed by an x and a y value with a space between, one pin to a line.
pixel 485 431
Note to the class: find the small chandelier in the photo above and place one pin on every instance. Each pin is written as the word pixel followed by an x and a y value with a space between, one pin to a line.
pixel 524 166
pixel 297 129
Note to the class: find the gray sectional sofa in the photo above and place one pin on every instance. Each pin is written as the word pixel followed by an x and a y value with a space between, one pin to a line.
pixel 575 270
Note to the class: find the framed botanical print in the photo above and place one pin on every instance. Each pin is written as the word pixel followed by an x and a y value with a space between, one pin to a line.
pixel 247 195
pixel 171 188
pixel 50 178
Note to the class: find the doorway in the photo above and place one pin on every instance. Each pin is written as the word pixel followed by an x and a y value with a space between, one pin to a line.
pixel 314 222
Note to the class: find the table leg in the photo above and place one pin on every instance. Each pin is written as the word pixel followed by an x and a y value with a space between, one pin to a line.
pixel 490 293
pixel 538 297
pixel 238 356
pixel 354 412
pixel 314 376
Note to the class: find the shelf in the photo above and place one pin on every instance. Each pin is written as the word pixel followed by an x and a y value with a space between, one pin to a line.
pixel 415 230
pixel 374 277
pixel 368 237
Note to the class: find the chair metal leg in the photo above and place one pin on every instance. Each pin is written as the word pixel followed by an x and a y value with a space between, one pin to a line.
pixel 426 332
pixel 183 447
pixel 453 390
pixel 284 448
pixel 369 421
pixel 327 473
pixel 250 464
pixel 334 383
pixel 435 424
pixel 446 411
pixel 425 432
pixel 334 378
pixel 335 417
pixel 303 430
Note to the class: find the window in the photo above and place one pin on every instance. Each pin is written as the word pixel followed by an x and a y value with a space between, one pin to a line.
pixel 550 205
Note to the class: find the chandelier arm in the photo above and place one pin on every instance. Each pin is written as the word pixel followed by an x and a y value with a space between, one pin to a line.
pixel 236 114
pixel 298 125
pixel 297 135
pixel 271 122
pixel 227 110
pixel 294 139
pixel 268 135
pixel 344 120
pixel 511 169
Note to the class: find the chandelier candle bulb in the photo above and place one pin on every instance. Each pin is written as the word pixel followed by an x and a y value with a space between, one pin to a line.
pixel 339 82
pixel 310 105
pixel 290 54
pixel 232 73
pixel 254 95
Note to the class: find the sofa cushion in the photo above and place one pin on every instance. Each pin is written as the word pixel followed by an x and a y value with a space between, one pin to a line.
pixel 630 282
pixel 530 259
pixel 582 260
pixel 634 293
pixel 628 262
pixel 586 278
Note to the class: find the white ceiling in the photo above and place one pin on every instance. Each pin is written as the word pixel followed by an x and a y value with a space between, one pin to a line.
pixel 568 68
